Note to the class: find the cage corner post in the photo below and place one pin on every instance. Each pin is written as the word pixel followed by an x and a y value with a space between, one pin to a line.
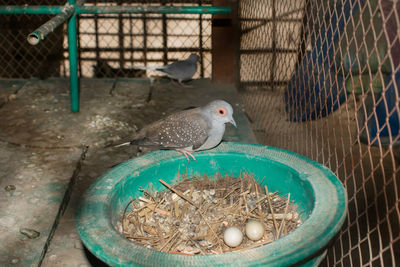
pixel 224 44
pixel 73 61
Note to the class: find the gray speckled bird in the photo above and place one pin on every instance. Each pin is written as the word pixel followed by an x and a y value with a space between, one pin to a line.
pixel 180 70
pixel 187 131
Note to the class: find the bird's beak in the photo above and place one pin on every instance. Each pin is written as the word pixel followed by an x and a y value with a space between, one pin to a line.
pixel 233 122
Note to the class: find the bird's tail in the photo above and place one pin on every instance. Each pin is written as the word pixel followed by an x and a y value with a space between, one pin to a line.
pixel 133 142
pixel 148 68
pixel 123 144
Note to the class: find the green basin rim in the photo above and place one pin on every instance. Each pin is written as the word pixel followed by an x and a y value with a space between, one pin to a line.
pixel 330 209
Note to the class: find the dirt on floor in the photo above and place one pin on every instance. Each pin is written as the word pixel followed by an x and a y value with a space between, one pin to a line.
pixel 50 156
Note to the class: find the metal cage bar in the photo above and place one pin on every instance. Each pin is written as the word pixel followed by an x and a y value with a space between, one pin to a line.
pixel 71 11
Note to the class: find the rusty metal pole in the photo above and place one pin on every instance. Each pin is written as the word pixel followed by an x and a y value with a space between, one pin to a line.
pixel 225 44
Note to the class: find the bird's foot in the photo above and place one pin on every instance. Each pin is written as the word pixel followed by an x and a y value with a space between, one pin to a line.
pixel 180 84
pixel 186 154
pixel 185 85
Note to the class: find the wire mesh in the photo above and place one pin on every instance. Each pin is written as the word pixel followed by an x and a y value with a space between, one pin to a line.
pixel 109 45
pixel 322 78
pixel 20 59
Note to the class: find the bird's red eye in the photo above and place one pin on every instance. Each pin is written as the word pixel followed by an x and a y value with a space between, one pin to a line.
pixel 221 111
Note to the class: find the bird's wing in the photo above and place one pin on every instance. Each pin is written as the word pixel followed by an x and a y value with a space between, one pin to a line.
pixel 180 130
pixel 181 70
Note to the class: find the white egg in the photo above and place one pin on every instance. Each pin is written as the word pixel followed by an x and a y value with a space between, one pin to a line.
pixel 254 230
pixel 233 237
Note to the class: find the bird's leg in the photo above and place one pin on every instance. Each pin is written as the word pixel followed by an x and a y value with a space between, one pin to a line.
pixel 184 85
pixel 186 154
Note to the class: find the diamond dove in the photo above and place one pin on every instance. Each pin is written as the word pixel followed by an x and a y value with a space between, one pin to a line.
pixel 180 70
pixel 187 131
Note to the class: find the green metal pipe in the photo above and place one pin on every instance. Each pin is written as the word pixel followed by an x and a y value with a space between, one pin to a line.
pixel 54 10
pixel 40 33
pixel 35 10
pixel 154 9
pixel 73 61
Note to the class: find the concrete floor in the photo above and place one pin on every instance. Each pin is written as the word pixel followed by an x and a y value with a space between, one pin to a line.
pixel 50 156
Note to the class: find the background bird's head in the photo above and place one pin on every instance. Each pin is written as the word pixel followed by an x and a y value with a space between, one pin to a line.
pixel 193 57
pixel 220 111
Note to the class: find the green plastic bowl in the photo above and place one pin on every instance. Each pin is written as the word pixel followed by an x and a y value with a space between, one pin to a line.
pixel 314 188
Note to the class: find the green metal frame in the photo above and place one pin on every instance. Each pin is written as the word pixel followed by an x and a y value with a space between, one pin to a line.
pixel 72 9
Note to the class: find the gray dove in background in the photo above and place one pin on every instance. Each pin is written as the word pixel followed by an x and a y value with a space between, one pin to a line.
pixel 180 70
pixel 187 131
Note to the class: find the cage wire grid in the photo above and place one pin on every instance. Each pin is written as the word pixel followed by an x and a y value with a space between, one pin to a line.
pixel 21 60
pixel 329 89
pixel 320 78
pixel 109 45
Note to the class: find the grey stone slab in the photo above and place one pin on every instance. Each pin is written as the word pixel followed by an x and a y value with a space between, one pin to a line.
pixel 42 140
pixel 32 185
pixel 66 248
pixel 40 115
pixel 168 97
pixel 8 89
